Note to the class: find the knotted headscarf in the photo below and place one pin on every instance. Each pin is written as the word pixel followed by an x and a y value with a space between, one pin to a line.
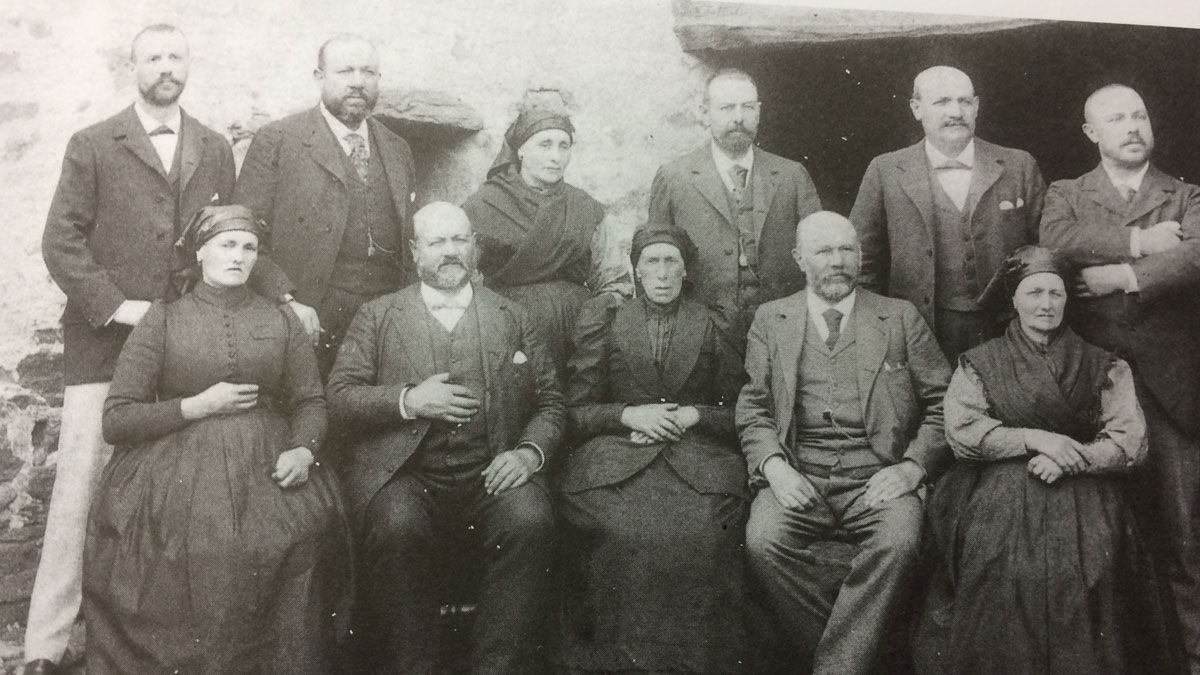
pixel 1022 262
pixel 210 221
pixel 528 123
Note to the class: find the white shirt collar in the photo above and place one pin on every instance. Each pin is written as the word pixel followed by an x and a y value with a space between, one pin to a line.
pixel 150 124
pixel 1134 181
pixel 432 296
pixel 341 130
pixel 937 158
pixel 723 161
pixel 818 305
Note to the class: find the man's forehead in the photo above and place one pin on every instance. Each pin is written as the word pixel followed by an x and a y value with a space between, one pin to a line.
pixel 1112 100
pixel 946 85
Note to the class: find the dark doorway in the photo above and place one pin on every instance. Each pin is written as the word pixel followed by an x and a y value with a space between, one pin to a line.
pixel 834 106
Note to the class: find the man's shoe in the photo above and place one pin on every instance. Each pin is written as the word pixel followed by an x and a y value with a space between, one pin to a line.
pixel 40 667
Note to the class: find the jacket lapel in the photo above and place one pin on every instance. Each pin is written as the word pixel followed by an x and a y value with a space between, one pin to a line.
pixel 914 177
pixel 1098 187
pixel 791 325
pixel 870 326
pixel 1157 187
pixel 987 170
pixel 686 341
pixel 323 147
pixel 762 179
pixel 493 322
pixel 193 149
pixel 393 165
pixel 709 184
pixel 132 135
pixel 408 330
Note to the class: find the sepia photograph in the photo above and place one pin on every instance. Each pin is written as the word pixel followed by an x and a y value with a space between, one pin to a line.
pixel 600 336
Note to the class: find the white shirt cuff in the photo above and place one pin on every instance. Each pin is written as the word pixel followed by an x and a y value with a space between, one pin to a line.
pixel 541 455
pixel 1135 243
pixel 1131 283
pixel 403 410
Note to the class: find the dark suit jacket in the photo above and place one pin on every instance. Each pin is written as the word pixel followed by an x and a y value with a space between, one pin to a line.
pixel 1089 222
pixel 386 348
pixel 895 219
pixel 613 366
pixel 689 193
pixel 902 379
pixel 111 230
pixel 294 178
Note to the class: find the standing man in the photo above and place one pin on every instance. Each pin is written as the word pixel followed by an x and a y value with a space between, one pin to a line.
pixel 937 218
pixel 457 407
pixel 128 185
pixel 335 189
pixel 842 417
pixel 1135 232
pixel 739 204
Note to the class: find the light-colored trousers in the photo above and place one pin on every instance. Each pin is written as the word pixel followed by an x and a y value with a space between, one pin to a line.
pixel 58 588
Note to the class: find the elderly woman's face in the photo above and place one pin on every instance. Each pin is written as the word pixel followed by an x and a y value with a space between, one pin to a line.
pixel 227 258
pixel 1039 300
pixel 661 271
pixel 544 157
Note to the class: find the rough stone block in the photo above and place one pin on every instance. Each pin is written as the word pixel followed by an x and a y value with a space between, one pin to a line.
pixel 41 372
pixel 427 114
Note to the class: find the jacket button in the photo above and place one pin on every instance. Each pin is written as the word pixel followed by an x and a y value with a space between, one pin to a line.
pixel 728 251
pixel 161 236
pixel 927 301
pixel 929 253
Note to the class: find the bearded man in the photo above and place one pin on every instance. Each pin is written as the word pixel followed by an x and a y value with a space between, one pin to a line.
pixel 841 424
pixel 456 408
pixel 740 205
pixel 336 190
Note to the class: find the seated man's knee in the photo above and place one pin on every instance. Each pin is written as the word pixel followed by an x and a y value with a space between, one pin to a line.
pixel 898 538
pixel 523 514
pixel 764 533
pixel 396 525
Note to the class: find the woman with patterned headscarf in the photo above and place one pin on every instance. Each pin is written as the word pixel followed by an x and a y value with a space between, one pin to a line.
pixel 654 493
pixel 215 529
pixel 1039 567
pixel 535 231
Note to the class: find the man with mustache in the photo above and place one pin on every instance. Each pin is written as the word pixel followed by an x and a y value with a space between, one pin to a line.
pixel 937 218
pixel 457 408
pixel 841 423
pixel 1135 232
pixel 739 203
pixel 128 186
pixel 335 188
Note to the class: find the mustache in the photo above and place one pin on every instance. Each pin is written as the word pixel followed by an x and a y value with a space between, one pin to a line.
pixel 1135 137
pixel 956 122
pixel 451 260
pixel 168 78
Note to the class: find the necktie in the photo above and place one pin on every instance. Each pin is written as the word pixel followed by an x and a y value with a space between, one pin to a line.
pixel 358 154
pixel 164 129
pixel 951 164
pixel 833 319
pixel 1128 192
pixel 738 173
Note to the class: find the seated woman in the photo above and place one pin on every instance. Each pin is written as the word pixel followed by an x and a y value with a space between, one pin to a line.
pixel 654 495
pixel 214 533
pixel 1039 565
pixel 535 231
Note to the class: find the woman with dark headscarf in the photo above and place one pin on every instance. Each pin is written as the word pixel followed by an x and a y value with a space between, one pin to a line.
pixel 214 526
pixel 1039 565
pixel 654 495
pixel 535 231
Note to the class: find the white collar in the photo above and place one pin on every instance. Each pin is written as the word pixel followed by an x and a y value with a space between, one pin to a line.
pixel 818 305
pixel 432 296
pixel 938 158
pixel 1134 181
pixel 724 161
pixel 341 130
pixel 150 124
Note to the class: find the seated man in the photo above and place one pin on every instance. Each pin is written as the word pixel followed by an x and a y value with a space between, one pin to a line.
pixel 842 416
pixel 452 407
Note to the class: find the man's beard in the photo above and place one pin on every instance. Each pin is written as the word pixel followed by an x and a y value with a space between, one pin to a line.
pixel 154 93
pixel 834 288
pixel 351 118
pixel 735 142
pixel 447 275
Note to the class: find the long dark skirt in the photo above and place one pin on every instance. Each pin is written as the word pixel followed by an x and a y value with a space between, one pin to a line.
pixel 198 562
pixel 1035 578
pixel 654 578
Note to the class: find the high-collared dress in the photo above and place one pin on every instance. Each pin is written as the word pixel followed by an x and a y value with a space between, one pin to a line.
pixel 197 561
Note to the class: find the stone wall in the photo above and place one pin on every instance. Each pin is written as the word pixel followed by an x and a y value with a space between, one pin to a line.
pixel 616 64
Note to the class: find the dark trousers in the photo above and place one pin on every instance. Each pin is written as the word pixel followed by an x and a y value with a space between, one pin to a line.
pixel 956 332
pixel 336 310
pixel 404 525
pixel 849 633
pixel 1169 488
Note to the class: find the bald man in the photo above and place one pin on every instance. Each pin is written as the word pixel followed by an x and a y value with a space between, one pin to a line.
pixel 841 424
pixel 455 407
pixel 1135 231
pixel 937 218
pixel 336 189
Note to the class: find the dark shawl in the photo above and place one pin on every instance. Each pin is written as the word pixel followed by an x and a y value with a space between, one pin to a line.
pixel 1054 388
pixel 530 236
